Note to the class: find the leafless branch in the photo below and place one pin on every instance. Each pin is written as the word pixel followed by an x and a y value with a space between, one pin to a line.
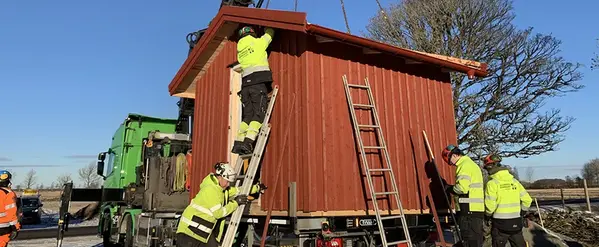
pixel 63 179
pixel 30 179
pixel 502 112
pixel 88 176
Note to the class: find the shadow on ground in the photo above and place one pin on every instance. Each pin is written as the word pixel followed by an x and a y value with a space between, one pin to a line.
pixel 49 220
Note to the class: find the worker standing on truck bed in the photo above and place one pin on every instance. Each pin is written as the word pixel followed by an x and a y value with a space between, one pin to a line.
pixel 470 195
pixel 202 222
pixel 9 222
pixel 256 84
pixel 506 201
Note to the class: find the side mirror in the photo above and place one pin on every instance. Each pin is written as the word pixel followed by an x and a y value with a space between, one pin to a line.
pixel 102 156
pixel 100 168
pixel 100 165
pixel 41 205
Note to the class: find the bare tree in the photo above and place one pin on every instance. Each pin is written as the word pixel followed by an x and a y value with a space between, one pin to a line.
pixel 30 179
pixel 514 172
pixel 590 172
pixel 88 176
pixel 63 179
pixel 530 174
pixel 502 112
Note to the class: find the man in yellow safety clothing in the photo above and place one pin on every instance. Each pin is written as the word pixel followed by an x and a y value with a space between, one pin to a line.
pixel 468 190
pixel 203 221
pixel 506 201
pixel 256 84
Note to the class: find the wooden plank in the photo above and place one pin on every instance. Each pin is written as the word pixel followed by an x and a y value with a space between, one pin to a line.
pixel 470 63
pixel 234 112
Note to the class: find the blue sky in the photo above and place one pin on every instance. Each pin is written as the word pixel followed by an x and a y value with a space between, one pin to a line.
pixel 72 70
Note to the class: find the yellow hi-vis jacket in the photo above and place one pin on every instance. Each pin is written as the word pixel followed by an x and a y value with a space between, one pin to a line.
pixel 206 213
pixel 505 196
pixel 251 52
pixel 469 186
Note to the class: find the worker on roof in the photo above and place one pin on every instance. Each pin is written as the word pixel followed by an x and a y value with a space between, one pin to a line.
pixel 506 201
pixel 468 190
pixel 256 84
pixel 9 222
pixel 202 222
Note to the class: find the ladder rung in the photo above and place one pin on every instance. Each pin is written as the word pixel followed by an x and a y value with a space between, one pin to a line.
pixel 380 170
pixel 245 156
pixel 391 217
pixel 357 86
pixel 363 106
pixel 397 242
pixel 368 126
pixel 374 147
pixel 384 193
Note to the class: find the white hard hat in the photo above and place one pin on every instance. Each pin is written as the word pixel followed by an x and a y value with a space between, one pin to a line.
pixel 226 171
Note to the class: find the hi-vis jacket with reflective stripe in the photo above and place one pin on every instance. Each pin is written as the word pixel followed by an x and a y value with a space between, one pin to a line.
pixel 469 186
pixel 206 213
pixel 8 210
pixel 251 52
pixel 505 196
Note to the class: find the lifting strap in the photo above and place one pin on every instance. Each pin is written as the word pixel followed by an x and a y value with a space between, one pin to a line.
pixel 180 172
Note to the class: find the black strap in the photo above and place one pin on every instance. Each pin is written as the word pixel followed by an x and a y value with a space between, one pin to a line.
pixel 6 191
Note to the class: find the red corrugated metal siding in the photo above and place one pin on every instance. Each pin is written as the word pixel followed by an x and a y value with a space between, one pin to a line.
pixel 329 173
pixel 289 72
pixel 210 130
pixel 320 153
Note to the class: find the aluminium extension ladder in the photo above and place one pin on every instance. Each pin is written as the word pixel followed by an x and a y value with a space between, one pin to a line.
pixel 388 168
pixel 248 177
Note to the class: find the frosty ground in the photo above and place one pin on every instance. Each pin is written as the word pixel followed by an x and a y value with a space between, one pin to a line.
pixel 83 241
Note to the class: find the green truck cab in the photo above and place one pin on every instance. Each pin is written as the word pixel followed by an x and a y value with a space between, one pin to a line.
pixel 143 152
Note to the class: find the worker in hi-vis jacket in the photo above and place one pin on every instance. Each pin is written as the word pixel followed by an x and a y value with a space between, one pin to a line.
pixel 203 220
pixel 9 221
pixel 256 84
pixel 469 191
pixel 506 201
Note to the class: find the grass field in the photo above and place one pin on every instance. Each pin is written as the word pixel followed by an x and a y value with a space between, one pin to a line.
pixel 554 194
pixel 51 201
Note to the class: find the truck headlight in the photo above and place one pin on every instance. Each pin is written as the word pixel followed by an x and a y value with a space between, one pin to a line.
pixel 35 210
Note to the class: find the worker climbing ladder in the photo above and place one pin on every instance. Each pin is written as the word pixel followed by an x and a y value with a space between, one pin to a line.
pixel 247 179
pixel 386 165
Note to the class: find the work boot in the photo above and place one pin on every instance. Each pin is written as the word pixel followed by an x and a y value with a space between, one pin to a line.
pixel 237 147
pixel 247 146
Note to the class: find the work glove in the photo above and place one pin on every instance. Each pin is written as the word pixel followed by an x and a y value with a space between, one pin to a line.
pixel 261 187
pixel 448 188
pixel 241 199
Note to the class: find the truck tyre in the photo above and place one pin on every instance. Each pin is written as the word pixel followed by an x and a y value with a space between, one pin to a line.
pixel 106 230
pixel 129 234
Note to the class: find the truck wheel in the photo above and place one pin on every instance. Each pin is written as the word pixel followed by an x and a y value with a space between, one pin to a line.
pixel 129 235
pixel 106 230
